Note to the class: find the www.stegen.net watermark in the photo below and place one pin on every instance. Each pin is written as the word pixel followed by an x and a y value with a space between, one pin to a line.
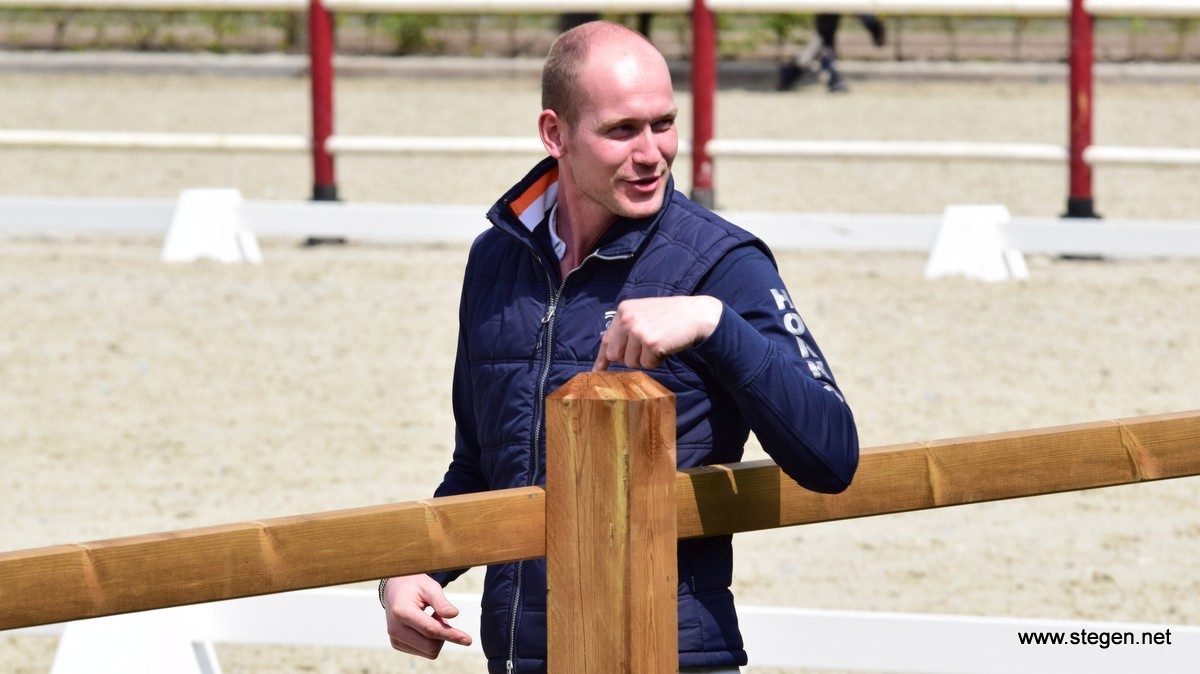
pixel 1103 639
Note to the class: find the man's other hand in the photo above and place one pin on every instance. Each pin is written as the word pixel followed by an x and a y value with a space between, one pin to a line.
pixel 411 629
pixel 645 331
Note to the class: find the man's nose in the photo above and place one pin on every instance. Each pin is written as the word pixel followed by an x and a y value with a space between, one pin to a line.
pixel 645 147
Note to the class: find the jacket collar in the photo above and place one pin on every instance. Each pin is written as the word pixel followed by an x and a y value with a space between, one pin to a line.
pixel 527 204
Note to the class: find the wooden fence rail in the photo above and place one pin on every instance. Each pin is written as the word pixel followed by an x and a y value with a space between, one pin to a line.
pixel 69 582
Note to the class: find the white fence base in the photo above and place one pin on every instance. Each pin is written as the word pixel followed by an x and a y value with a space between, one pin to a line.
pixel 154 641
pixel 775 637
pixel 206 224
pixel 971 243
pixel 420 223
pixel 912 642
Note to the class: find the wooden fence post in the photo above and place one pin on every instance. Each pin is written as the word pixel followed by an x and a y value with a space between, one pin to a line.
pixel 611 526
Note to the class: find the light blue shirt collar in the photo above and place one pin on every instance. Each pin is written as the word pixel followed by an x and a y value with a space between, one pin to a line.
pixel 560 248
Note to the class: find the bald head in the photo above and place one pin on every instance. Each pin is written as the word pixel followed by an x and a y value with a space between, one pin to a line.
pixel 562 86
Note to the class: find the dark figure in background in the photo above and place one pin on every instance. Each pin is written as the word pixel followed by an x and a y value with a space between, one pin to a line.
pixel 569 20
pixel 821 51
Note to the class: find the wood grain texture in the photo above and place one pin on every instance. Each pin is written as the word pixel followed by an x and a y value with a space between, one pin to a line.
pixel 896 478
pixel 610 526
pixel 69 582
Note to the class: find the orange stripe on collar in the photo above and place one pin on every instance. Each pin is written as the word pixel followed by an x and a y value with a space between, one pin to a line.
pixel 536 190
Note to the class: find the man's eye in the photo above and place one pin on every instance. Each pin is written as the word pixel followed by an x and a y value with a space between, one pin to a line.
pixel 663 125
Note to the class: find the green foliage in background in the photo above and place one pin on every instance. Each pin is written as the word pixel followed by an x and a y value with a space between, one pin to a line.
pixel 741 35
pixel 411 32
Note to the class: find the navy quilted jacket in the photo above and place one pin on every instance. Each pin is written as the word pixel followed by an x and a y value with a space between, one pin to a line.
pixel 524 331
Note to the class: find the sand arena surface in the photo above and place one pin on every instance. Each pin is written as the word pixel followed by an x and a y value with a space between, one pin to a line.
pixel 138 397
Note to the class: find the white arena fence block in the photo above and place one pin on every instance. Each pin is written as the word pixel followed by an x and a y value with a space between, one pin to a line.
pixel 137 643
pixel 971 243
pixel 207 223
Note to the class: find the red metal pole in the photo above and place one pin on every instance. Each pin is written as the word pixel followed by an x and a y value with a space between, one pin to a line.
pixel 1079 202
pixel 320 54
pixel 704 85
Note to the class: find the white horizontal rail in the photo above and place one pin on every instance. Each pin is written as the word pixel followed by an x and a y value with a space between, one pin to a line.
pixel 1033 8
pixel 164 5
pixel 899 7
pixel 222 142
pixel 139 140
pixel 1139 8
pixel 775 636
pixel 1142 156
pixel 507 6
pixel 843 149
pixel 1144 8
pixel 866 149
pixel 368 6
pixel 434 144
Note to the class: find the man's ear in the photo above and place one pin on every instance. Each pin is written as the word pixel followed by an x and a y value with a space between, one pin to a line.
pixel 553 132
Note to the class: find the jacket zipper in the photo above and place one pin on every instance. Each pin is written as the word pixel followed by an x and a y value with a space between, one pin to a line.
pixel 539 411
pixel 546 319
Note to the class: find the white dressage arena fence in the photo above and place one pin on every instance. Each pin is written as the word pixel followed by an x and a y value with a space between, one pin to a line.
pixel 433 223
pixel 180 640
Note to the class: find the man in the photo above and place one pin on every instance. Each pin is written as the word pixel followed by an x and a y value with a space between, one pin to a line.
pixel 594 261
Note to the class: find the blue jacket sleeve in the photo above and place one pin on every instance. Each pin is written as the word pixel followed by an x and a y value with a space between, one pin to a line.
pixel 766 357
pixel 464 475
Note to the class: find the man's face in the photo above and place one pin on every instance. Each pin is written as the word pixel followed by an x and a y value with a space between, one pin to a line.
pixel 620 150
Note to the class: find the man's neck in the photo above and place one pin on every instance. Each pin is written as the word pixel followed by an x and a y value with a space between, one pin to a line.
pixel 580 228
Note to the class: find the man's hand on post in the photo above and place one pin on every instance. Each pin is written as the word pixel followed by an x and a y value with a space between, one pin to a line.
pixel 645 331
pixel 411 629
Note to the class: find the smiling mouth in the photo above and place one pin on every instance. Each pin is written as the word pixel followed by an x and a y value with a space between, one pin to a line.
pixel 645 184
